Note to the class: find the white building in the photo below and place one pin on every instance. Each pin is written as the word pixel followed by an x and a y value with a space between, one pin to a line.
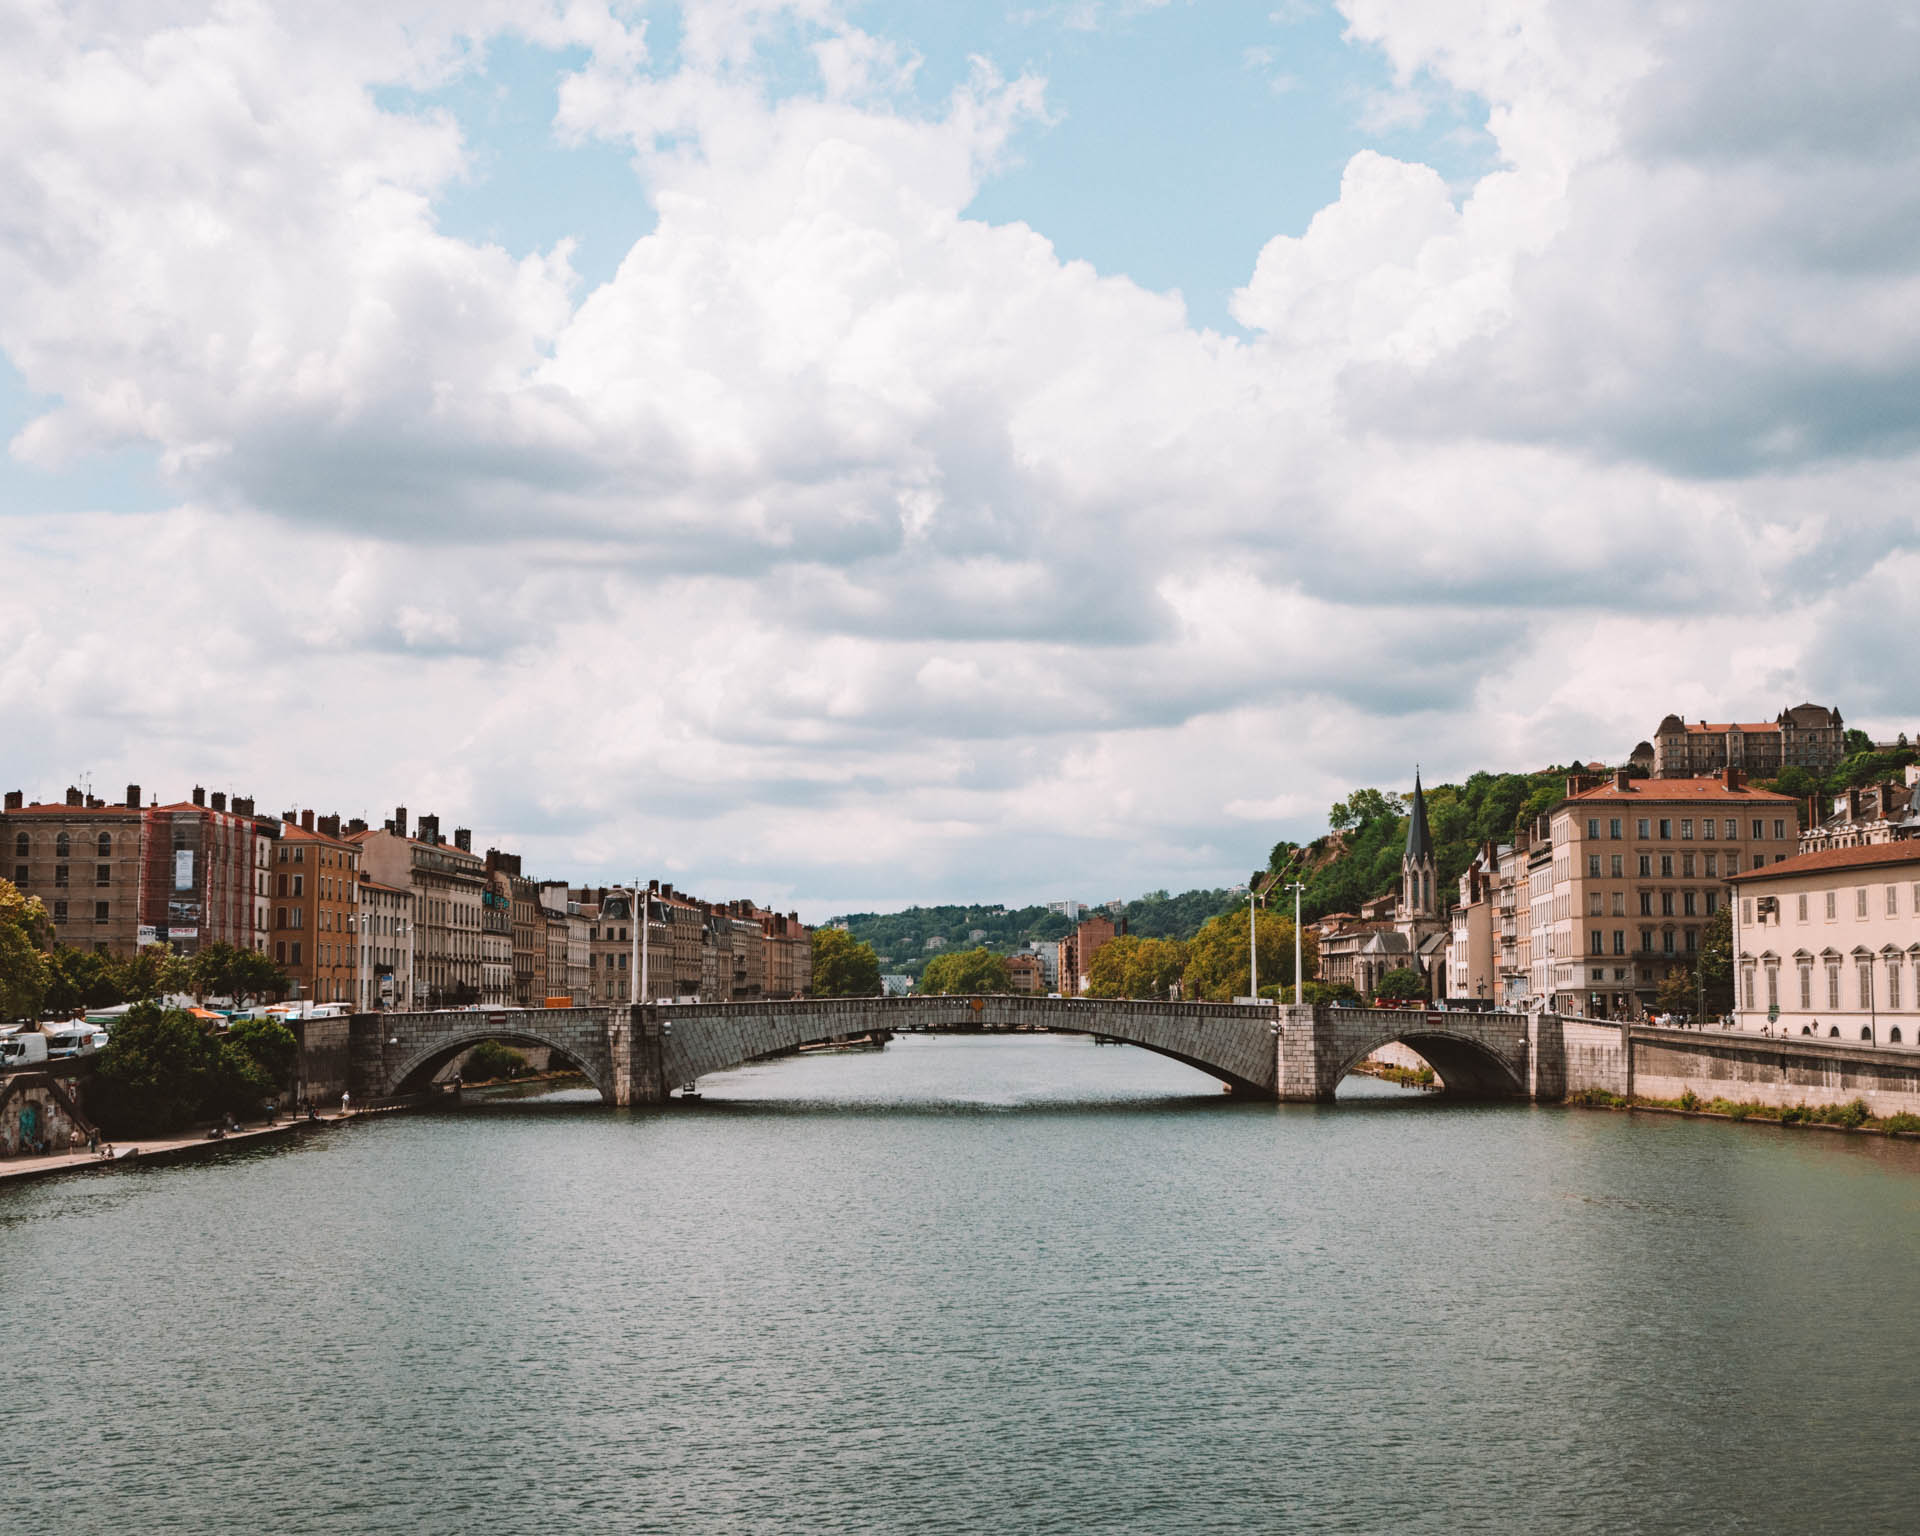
pixel 1828 944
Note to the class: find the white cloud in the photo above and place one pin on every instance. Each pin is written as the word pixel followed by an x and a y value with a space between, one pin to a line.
pixel 843 547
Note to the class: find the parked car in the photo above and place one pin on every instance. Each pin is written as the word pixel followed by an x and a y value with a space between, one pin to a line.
pixel 26 1048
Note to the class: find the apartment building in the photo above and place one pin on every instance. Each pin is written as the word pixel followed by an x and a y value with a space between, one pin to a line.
pixel 496 942
pixel 1474 929
pixel 1630 874
pixel 1077 950
pixel 787 944
pixel 315 909
pixel 1875 813
pixel 447 881
pixel 1828 944
pixel 1809 736
pixel 386 945
pixel 1024 973
pixel 555 932
pixel 115 877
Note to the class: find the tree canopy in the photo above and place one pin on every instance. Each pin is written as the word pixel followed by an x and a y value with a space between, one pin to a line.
pixel 162 1069
pixel 967 970
pixel 843 966
pixel 1131 966
pixel 1219 966
pixel 23 971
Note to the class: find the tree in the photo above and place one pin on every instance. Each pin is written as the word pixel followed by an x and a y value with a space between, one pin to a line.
pixel 1217 963
pixel 270 1046
pixel 1676 992
pixel 158 1071
pixel 1716 961
pixel 1402 983
pixel 843 966
pixel 1853 742
pixel 23 970
pixel 967 970
pixel 1130 966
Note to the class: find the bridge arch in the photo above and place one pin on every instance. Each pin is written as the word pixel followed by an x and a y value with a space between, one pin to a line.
pixel 419 1069
pixel 1478 1059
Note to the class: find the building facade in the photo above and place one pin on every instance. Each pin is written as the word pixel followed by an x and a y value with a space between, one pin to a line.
pixel 1828 944
pixel 315 909
pixel 447 881
pixel 1630 875
pixel 386 946
pixel 1809 736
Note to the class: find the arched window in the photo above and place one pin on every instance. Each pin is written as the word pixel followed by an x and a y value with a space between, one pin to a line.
pixel 20 845
pixel 1865 1033
pixel 1834 1032
pixel 62 845
pixel 1893 1035
pixel 106 845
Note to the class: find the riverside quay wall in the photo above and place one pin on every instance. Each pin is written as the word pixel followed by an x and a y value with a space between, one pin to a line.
pixel 640 1055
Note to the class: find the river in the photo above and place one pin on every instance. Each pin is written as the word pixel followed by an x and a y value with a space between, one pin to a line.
pixel 1003 1284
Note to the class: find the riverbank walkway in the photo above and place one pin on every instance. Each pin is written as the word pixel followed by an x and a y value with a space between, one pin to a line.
pixel 156 1149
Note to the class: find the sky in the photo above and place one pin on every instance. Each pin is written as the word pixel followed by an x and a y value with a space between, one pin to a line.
pixel 854 454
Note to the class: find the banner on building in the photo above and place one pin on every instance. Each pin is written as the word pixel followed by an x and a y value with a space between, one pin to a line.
pixel 183 869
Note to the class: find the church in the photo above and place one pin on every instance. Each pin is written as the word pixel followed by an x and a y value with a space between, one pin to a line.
pixel 1406 931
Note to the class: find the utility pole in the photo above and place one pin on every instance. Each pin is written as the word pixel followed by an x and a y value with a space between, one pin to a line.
pixel 1253 936
pixel 639 954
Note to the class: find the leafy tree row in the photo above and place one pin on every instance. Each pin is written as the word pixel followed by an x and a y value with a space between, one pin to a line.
pixel 843 966
pixel 163 1070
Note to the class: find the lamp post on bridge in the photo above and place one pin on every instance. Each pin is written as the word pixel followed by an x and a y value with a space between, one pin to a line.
pixel 1253 936
pixel 1299 976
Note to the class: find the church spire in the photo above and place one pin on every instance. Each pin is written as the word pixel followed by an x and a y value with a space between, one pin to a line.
pixel 1419 837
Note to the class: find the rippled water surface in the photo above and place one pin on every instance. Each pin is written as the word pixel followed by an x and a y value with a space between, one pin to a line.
pixel 1006 1284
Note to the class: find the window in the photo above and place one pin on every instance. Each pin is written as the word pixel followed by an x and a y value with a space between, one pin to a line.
pixel 59 911
pixel 1779 830
pixel 1593 866
pixel 1595 904
pixel 1646 866
pixel 1687 903
pixel 1686 829
pixel 1613 829
pixel 1666 866
pixel 1713 902
pixel 1831 899
pixel 1733 863
pixel 1893 901
pixel 296 953
pixel 1646 903
pixel 103 874
pixel 1617 866
pixel 1746 985
pixel 1713 866
pixel 1893 983
pixel 1733 829
pixel 1666 942
pixel 1759 830
pixel 299 887
pixel 1666 903
pixel 1596 943
pixel 1619 903
pixel 1706 828
pixel 62 846
pixel 105 845
pixel 1643 824
pixel 1833 986
pixel 1860 901
pixel 20 875
pixel 1693 941
pixel 1803 906
pixel 1806 986
pixel 280 951
pixel 299 855
pixel 1593 828
pixel 1686 865
pixel 101 911
pixel 1619 941
pixel 60 876
pixel 1666 829
pixel 1866 985
pixel 20 845
pixel 1773 986
pixel 1646 940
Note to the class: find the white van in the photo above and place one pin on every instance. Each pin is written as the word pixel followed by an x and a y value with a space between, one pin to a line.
pixel 65 1041
pixel 25 1049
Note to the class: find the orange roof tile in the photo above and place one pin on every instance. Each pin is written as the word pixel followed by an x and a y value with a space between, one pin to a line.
pixel 1653 791
pixel 1868 856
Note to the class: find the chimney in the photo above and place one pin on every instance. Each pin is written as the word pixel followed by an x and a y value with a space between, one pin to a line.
pixel 1853 805
pixel 358 824
pixel 94 803
pixel 1734 778
pixel 16 798
pixel 330 825
pixel 463 839
pixel 199 796
pixel 242 807
pixel 133 797
pixel 306 821
pixel 219 800
pixel 429 829
pixel 74 797
pixel 399 822
pixel 1622 781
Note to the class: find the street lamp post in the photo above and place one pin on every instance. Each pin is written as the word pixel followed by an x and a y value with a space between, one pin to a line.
pixel 1299 975
pixel 1253 937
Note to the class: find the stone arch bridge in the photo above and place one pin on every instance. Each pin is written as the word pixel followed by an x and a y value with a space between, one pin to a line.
pixel 639 1055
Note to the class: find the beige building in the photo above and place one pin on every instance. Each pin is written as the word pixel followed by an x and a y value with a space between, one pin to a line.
pixel 1473 950
pixel 1828 944
pixel 1808 736
pixel 1877 813
pixel 447 881
pixel 1630 875
pixel 386 946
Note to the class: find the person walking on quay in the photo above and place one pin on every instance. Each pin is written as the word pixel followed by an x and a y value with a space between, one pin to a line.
pixel 346 1102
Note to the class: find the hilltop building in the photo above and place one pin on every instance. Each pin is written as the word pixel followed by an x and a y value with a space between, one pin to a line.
pixel 1809 736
